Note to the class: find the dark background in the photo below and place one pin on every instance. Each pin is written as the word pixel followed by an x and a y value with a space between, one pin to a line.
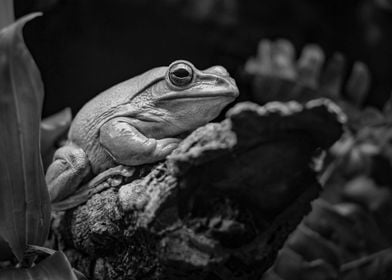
pixel 84 46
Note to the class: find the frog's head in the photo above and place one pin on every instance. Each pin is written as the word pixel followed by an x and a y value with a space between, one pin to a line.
pixel 184 98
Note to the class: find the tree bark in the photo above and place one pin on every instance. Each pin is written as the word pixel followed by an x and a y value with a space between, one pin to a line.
pixel 219 207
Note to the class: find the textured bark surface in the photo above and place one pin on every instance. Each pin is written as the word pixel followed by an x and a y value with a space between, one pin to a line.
pixel 219 207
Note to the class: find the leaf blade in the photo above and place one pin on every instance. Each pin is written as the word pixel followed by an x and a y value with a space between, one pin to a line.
pixel 24 200
pixel 55 266
pixel 6 13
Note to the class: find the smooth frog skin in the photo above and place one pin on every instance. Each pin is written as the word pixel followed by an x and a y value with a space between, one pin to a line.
pixel 138 121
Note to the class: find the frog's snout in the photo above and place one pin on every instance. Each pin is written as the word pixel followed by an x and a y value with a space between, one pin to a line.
pixel 218 70
pixel 222 78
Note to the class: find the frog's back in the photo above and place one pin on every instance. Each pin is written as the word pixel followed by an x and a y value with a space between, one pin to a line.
pixel 84 130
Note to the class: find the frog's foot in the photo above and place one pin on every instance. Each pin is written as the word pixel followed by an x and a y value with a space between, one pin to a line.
pixel 67 171
pixel 112 177
pixel 163 148
pixel 128 146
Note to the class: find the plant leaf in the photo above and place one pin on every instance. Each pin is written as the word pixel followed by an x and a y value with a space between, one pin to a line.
pixel 6 13
pixel 373 266
pixel 5 250
pixel 24 199
pixel 55 266
pixel 54 129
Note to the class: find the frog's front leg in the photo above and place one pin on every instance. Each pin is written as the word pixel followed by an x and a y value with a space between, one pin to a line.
pixel 69 167
pixel 128 146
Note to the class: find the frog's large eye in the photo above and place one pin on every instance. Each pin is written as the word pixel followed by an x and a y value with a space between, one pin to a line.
pixel 180 74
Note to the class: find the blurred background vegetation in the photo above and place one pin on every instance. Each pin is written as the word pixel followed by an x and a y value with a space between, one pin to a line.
pixel 83 46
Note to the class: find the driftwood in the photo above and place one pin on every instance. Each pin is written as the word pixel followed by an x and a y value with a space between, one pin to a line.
pixel 219 207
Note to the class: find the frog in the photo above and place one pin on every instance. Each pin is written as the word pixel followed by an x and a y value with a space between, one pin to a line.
pixel 138 121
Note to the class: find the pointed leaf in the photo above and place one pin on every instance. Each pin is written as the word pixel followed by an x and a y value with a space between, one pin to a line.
pixel 6 12
pixel 388 109
pixel 54 129
pixel 5 250
pixel 55 266
pixel 24 199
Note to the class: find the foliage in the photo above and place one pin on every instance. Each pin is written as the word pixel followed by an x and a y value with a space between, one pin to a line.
pixel 24 216
pixel 347 234
pixel 6 13
pixel 54 267
pixel 24 198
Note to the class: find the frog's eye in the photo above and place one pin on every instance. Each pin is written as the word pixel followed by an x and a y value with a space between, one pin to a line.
pixel 180 74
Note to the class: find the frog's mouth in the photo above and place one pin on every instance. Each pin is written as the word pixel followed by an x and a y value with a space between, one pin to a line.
pixel 242 185
pixel 231 92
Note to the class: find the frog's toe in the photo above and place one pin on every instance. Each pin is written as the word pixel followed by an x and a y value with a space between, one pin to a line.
pixel 68 169
pixel 163 148
pixel 166 146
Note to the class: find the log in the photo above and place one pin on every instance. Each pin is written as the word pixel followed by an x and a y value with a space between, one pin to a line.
pixel 219 207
